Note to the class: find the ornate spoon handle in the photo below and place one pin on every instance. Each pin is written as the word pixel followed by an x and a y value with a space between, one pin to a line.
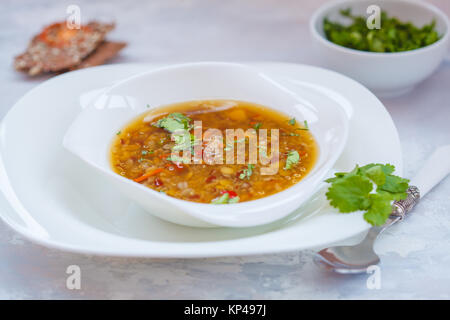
pixel 436 168
pixel 402 207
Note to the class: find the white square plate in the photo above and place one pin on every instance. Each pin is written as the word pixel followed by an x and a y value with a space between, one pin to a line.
pixel 53 200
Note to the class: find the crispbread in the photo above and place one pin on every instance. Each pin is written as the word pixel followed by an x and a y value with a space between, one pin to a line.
pixel 58 48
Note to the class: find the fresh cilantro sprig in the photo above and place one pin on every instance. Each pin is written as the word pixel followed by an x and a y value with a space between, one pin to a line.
pixel 174 122
pixel 225 199
pixel 370 188
pixel 292 159
pixel 247 173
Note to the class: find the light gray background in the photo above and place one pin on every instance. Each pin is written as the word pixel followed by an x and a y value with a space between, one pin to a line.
pixel 415 254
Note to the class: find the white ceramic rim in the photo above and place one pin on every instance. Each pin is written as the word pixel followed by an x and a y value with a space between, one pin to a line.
pixel 422 4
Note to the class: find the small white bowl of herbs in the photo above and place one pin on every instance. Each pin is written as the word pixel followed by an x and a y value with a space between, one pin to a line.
pixel 411 42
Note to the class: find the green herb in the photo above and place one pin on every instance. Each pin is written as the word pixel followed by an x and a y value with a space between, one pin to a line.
pixel 144 152
pixel 173 122
pixel 305 125
pixel 292 159
pixel 118 132
pixel 294 134
pixel 234 200
pixel 393 36
pixel 178 159
pixel 225 199
pixel 257 125
pixel 185 142
pixel 292 122
pixel 148 106
pixel 370 188
pixel 246 173
pixel 182 142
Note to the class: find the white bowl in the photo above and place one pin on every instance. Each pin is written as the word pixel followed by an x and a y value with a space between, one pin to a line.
pixel 387 74
pixel 91 133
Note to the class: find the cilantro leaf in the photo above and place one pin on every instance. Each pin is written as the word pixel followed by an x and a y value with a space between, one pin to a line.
pixel 225 199
pixel 183 141
pixel 395 184
pixel 257 125
pixel 170 124
pixel 380 208
pixel 246 173
pixel 292 159
pixel 376 174
pixel 173 122
pixel 387 168
pixel 234 200
pixel 305 124
pixel 350 193
pixel 371 188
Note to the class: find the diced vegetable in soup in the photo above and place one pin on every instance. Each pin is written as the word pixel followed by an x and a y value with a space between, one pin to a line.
pixel 196 151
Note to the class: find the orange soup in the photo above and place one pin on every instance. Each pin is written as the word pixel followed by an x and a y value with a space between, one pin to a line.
pixel 143 151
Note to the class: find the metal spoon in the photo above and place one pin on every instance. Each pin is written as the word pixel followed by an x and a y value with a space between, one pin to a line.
pixel 356 259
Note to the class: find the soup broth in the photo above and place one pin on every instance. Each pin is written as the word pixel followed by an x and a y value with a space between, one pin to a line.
pixel 141 151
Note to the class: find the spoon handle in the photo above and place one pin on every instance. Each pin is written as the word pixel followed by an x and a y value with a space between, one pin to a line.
pixel 436 168
pixel 402 207
pixel 374 232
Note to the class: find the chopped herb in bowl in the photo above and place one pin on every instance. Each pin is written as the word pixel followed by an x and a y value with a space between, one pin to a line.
pixel 393 36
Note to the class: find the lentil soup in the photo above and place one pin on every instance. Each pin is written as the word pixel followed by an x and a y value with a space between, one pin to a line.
pixel 141 151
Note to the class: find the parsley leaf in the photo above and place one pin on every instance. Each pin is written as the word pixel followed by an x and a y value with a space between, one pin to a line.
pixel 305 125
pixel 292 122
pixel 173 122
pixel 257 125
pixel 247 172
pixel 350 193
pixel 234 200
pixel 292 159
pixel 380 209
pixel 370 188
pixel 225 199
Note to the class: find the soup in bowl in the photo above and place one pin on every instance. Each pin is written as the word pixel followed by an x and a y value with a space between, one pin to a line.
pixel 211 144
pixel 234 151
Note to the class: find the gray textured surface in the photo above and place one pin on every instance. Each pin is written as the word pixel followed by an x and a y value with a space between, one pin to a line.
pixel 415 254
